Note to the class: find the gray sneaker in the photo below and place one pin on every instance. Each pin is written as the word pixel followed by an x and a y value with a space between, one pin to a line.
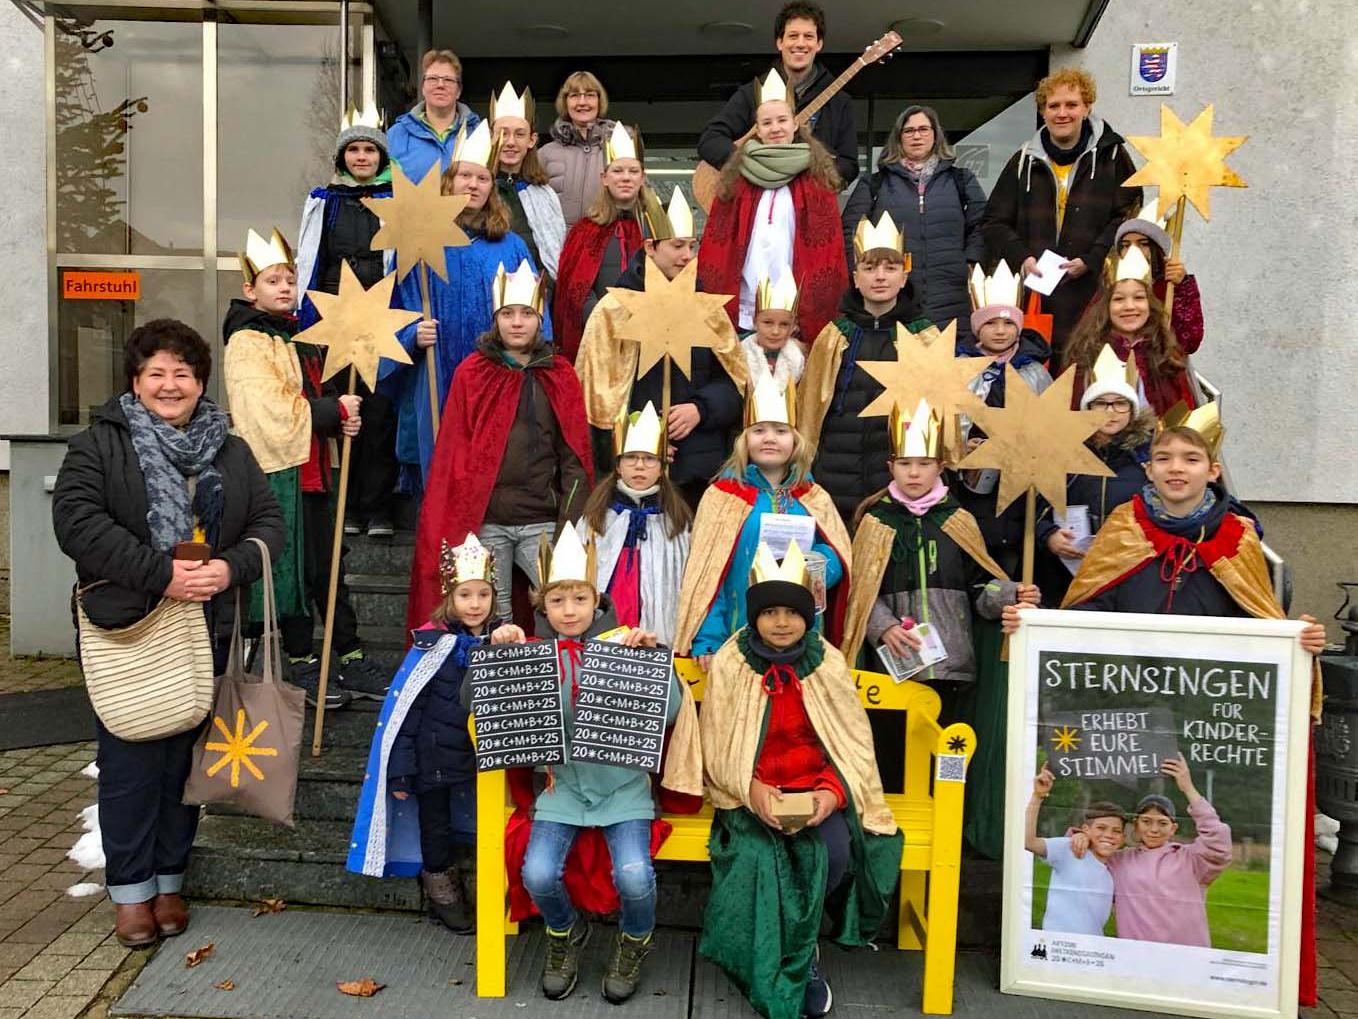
pixel 307 675
pixel 624 968
pixel 363 678
pixel 562 965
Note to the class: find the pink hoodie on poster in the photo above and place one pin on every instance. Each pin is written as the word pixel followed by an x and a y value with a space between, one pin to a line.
pixel 1161 894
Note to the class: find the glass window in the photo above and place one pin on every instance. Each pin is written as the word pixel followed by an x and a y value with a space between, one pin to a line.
pixel 129 136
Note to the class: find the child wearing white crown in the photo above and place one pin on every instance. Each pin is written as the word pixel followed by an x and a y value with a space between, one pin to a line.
pixel 771 348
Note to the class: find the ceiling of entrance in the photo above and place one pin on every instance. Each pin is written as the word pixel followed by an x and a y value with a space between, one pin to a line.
pixel 547 28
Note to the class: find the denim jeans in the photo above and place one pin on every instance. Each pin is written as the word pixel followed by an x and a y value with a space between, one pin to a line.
pixel 513 546
pixel 629 844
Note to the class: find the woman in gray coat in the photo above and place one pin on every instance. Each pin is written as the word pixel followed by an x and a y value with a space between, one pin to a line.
pixel 574 158
pixel 936 203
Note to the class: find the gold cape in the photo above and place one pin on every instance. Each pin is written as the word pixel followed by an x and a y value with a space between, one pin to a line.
pixel 817 386
pixel 1121 545
pixel 872 548
pixel 607 365
pixel 684 759
pixel 264 393
pixel 732 724
pixel 716 529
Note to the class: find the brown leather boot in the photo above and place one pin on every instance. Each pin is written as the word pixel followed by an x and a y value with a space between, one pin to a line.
pixel 134 924
pixel 171 913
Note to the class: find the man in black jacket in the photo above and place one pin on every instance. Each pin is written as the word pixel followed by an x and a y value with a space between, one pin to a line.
pixel 799 34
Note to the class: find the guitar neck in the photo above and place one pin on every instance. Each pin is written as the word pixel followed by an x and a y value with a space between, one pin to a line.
pixel 805 115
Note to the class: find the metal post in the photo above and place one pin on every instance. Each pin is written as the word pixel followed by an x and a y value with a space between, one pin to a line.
pixel 344 57
pixel 424 29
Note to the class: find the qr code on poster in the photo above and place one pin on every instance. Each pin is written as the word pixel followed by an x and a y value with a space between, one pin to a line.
pixel 951 768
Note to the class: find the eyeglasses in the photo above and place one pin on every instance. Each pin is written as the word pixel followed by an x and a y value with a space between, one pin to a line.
pixel 926 129
pixel 1118 406
pixel 440 79
pixel 582 95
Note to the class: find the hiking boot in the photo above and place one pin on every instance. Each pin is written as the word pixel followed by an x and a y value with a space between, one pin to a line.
pixel 818 999
pixel 380 527
pixel 306 673
pixel 562 966
pixel 363 678
pixel 447 903
pixel 624 967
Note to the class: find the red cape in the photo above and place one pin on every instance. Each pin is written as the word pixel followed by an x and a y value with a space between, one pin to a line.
pixel 817 251
pixel 581 256
pixel 473 433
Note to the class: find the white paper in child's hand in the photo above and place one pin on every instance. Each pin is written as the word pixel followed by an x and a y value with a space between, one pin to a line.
pixel 1049 265
pixel 1075 520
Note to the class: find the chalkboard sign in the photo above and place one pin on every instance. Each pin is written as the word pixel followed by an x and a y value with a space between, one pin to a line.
pixel 1117 744
pixel 516 701
pixel 622 704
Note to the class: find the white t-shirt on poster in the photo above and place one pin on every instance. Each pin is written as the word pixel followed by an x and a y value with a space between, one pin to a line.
pixel 1080 895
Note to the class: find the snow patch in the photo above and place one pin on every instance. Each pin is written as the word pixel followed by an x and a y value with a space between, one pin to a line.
pixel 1327 832
pixel 90 770
pixel 89 848
pixel 84 889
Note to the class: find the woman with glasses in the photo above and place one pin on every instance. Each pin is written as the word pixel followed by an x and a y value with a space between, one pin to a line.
pixel 937 204
pixel 574 158
pixel 424 137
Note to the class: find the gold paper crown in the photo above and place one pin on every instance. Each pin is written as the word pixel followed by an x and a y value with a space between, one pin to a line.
pixel 1132 266
pixel 1001 287
pixel 921 435
pixel 478 147
pixel 518 287
pixel 1205 420
pixel 1150 213
pixel 792 570
pixel 773 89
pixel 763 402
pixel 640 432
pixel 259 254
pixel 666 224
pixel 469 561
pixel 512 104
pixel 369 116
pixel 570 560
pixel 1109 370
pixel 623 143
pixel 882 237
pixel 780 296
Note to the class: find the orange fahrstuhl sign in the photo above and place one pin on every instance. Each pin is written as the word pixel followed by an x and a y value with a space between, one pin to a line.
pixel 100 286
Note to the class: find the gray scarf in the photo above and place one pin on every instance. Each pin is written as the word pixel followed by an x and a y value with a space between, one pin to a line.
pixel 168 456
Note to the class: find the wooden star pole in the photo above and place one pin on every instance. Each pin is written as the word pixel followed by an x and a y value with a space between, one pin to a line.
pixel 357 328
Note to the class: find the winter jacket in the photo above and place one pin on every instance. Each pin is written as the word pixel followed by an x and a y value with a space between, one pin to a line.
pixel 1126 455
pixel 699 455
pixel 99 515
pixel 574 163
pixel 1020 217
pixel 942 233
pixel 932 580
pixel 852 453
pixel 433 747
pixel 415 147
pixel 833 125
pixel 539 471
pixel 347 237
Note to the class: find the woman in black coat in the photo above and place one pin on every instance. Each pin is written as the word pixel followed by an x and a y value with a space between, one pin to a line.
pixel 122 502
pixel 937 204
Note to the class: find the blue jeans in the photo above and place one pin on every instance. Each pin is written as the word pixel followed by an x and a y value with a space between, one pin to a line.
pixel 629 844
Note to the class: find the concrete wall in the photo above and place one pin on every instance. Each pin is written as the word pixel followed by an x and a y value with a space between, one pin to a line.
pixel 1276 264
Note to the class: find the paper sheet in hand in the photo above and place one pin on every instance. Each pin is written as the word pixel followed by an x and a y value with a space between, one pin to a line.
pixel 902 667
pixel 778 530
pixel 1049 265
pixel 1076 521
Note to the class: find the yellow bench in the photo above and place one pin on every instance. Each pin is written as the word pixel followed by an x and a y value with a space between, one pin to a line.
pixel 929 813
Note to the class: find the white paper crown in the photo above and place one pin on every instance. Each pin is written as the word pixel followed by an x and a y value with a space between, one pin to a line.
pixel 665 224
pixel 920 436
pixel 1132 266
pixel 259 254
pixel 776 296
pixel 568 560
pixel 764 402
pixel 369 116
pixel 469 561
pixel 1112 376
pixel 639 433
pixel 478 147
pixel 509 103
pixel 772 89
pixel 1001 287
pixel 518 287
pixel 620 145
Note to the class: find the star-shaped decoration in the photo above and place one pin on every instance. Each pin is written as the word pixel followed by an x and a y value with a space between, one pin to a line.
pixel 958 744
pixel 1035 441
pixel 1186 160
pixel 238 748
pixel 358 327
pixel 1066 739
pixel 418 221
pixel 669 317
pixel 926 368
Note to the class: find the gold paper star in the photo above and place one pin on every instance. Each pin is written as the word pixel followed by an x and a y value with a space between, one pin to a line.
pixel 1186 160
pixel 239 748
pixel 358 326
pixel 418 222
pixel 1035 441
pixel 669 317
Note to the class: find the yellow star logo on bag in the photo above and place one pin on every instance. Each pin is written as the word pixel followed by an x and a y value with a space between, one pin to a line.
pixel 238 748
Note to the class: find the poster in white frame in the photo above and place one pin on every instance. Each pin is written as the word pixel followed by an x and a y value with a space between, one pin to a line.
pixel 1194 907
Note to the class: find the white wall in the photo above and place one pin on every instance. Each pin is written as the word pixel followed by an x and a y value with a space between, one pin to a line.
pixel 23 226
pixel 1277 263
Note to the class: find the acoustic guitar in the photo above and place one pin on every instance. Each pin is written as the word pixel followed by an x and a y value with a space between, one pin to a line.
pixel 706 176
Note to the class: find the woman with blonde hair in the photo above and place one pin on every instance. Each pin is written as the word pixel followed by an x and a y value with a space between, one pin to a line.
pixel 574 158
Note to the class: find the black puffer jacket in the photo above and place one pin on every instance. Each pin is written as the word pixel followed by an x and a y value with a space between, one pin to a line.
pixel 851 459
pixel 942 233
pixel 99 514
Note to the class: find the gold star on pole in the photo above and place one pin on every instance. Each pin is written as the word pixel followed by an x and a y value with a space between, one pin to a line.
pixel 1186 160
pixel 418 222
pixel 669 317
pixel 358 327
pixel 1035 441
pixel 238 748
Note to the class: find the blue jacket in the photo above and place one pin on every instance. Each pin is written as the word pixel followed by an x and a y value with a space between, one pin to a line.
pixel 727 614
pixel 414 146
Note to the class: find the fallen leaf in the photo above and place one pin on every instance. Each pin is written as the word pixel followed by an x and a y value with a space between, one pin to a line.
pixel 4 792
pixel 455 982
pixel 200 953
pixel 225 985
pixel 270 906
pixel 364 988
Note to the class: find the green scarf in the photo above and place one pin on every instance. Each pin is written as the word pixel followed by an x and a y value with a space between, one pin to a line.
pixel 773 166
